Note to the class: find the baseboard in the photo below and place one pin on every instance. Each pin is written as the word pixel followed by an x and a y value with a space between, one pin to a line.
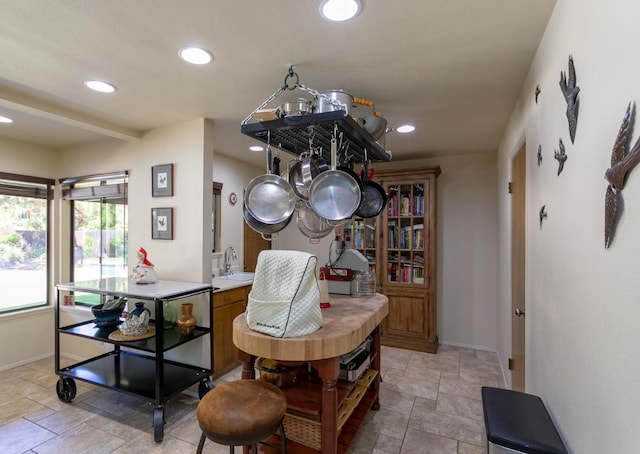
pixel 25 361
pixel 473 347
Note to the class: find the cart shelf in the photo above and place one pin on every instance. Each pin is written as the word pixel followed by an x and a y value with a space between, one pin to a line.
pixel 134 373
pixel 172 336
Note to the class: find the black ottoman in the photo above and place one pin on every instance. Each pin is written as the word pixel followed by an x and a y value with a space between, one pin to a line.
pixel 518 423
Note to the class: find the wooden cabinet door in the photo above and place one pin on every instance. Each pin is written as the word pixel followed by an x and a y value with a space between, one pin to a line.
pixel 227 306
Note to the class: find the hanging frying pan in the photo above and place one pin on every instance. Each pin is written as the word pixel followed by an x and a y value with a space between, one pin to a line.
pixel 269 198
pixel 374 199
pixel 334 194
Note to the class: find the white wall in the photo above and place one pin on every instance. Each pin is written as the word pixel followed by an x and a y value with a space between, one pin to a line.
pixel 189 147
pixel 234 176
pixel 581 299
pixel 25 159
pixel 183 146
pixel 467 244
pixel 184 258
pixel 466 247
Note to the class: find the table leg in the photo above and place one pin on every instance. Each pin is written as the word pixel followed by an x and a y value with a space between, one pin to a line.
pixel 248 369
pixel 248 373
pixel 375 350
pixel 328 370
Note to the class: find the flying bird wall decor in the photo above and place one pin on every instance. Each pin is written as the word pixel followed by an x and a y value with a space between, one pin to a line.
pixel 542 214
pixel 570 91
pixel 560 156
pixel 622 162
pixel 537 92
pixel 539 155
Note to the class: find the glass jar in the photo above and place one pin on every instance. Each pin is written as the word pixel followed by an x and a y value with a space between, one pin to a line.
pixel 363 283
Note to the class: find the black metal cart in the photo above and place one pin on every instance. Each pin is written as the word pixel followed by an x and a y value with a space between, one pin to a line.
pixel 148 375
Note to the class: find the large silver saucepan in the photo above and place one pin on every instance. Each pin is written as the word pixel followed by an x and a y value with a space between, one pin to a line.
pixel 269 198
pixel 334 194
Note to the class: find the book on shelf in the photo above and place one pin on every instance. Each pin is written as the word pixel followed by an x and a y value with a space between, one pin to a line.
pixel 418 236
pixel 392 205
pixel 418 274
pixel 418 205
pixel 405 205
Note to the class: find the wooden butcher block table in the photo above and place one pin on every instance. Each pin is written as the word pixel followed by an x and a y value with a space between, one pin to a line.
pixel 319 401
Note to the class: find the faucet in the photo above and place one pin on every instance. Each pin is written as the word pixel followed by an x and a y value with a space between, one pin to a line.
pixel 227 260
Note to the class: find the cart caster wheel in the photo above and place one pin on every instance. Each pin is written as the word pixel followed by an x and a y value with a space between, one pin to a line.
pixel 66 389
pixel 158 424
pixel 204 387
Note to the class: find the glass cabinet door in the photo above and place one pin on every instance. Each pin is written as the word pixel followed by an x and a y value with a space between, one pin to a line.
pixel 405 233
pixel 362 236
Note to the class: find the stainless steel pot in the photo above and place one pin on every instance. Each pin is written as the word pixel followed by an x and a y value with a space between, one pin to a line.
pixel 296 108
pixel 312 166
pixel 334 195
pixel 322 105
pixel 311 224
pixel 270 198
pixel 262 228
pixel 375 126
pixel 296 181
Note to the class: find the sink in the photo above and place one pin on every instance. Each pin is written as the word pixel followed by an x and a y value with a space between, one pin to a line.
pixel 238 277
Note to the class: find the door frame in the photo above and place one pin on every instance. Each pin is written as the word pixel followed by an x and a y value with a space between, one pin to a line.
pixel 518 267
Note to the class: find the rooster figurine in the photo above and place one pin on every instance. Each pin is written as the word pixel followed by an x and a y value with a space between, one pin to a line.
pixel 621 164
pixel 570 92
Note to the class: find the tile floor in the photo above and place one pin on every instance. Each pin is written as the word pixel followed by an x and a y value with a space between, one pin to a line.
pixel 429 404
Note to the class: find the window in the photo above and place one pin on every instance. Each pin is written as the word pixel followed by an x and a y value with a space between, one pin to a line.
pixel 99 214
pixel 215 217
pixel 24 241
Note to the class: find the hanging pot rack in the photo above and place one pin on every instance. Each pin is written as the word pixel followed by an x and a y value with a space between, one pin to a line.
pixel 293 133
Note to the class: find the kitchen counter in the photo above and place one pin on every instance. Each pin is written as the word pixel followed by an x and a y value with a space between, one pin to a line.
pixel 346 324
pixel 227 284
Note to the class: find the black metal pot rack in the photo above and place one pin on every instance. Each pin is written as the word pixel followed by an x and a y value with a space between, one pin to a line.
pixel 295 133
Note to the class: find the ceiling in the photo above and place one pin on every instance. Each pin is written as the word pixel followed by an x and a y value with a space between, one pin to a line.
pixel 453 68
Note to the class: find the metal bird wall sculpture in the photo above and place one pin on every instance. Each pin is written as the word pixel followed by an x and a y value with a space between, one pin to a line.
pixel 622 162
pixel 570 92
pixel 542 214
pixel 560 156
pixel 539 155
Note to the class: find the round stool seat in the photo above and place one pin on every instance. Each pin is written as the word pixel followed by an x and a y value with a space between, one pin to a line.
pixel 241 412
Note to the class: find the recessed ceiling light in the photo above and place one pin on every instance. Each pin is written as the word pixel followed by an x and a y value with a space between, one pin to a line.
pixel 339 10
pixel 405 129
pixel 98 85
pixel 256 148
pixel 5 119
pixel 195 55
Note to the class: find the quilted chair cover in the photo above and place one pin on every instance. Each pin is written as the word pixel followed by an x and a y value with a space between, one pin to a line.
pixel 285 298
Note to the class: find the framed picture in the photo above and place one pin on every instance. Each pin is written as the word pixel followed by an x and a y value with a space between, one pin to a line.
pixel 162 223
pixel 162 180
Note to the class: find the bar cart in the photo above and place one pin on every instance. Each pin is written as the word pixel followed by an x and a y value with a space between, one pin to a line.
pixel 148 375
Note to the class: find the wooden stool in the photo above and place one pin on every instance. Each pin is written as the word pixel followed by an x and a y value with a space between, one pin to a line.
pixel 242 412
